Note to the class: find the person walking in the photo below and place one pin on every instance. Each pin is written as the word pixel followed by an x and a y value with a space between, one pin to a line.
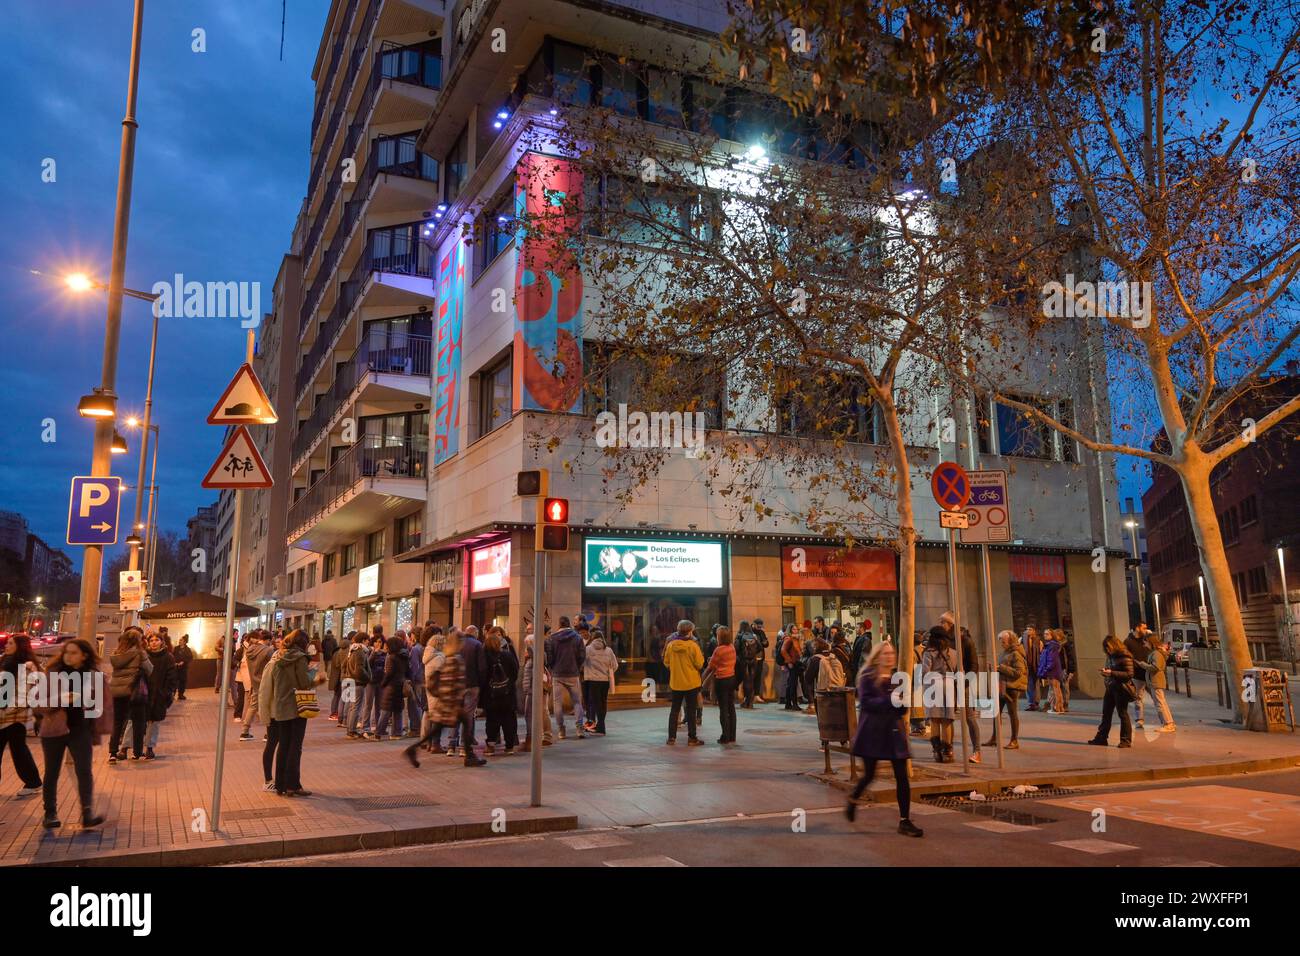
pixel 257 654
pixel 599 667
pixel 474 658
pixel 129 689
pixel 1120 692
pixel 183 655
pixel 940 660
pixel 500 685
pixel 1013 678
pixel 684 659
pixel 69 727
pixel 882 735
pixel 162 685
pixel 565 654
pixel 1155 667
pixel 356 692
pixel 392 688
pixel 1138 647
pixel 792 663
pixel 285 675
pixel 722 665
pixel 20 663
pixel 447 698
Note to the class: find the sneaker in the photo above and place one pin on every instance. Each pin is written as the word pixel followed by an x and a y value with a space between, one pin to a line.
pixel 266 736
pixel 89 820
pixel 136 756
pixel 436 749
pixel 695 742
pixel 121 754
pixel 582 735
pixel 269 786
pixel 1140 725
pixel 1125 744
pixel 245 736
pixel 562 737
pixel 1166 729
pixel 1096 742
pixel 453 752
pixel 239 720
pixel 150 755
pixel 908 828
pixel 472 761
pixel 353 735
pixel 28 791
pixel 369 736
pixel 975 757
pixel 50 821
pixel 1013 745
pixel 489 750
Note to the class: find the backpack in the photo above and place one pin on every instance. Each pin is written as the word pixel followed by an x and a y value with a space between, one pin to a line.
pixel 498 682
pixel 830 673
pixel 749 649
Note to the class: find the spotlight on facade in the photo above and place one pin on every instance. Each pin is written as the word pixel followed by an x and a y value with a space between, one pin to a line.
pixel 756 154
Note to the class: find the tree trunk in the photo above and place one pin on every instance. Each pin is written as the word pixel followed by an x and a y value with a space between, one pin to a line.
pixel 906 537
pixel 1195 475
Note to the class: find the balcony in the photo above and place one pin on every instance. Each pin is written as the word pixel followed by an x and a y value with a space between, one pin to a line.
pixel 394 373
pixel 395 269
pixel 361 490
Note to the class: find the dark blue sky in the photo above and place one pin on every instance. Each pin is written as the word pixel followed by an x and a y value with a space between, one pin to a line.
pixel 221 167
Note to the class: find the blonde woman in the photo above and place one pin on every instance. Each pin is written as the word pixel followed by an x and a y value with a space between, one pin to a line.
pixel 882 734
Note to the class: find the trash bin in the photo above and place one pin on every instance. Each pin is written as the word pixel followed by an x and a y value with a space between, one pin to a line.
pixel 835 713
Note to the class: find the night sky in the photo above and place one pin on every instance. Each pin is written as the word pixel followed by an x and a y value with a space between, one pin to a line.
pixel 221 168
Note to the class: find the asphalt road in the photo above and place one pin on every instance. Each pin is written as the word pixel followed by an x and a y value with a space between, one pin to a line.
pixel 1227 821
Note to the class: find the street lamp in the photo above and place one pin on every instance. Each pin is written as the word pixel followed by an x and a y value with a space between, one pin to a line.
pixel 119 444
pixel 97 405
pixel 1286 609
pixel 1137 568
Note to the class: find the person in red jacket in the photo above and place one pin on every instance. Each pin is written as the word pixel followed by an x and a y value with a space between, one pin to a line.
pixel 722 665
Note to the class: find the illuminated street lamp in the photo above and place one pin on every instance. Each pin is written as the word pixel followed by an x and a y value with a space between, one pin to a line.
pixel 97 405
pixel 119 444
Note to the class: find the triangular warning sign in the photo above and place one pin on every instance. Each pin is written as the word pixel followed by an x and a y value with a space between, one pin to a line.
pixel 239 465
pixel 244 402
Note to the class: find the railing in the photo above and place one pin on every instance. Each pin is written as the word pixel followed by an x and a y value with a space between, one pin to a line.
pixel 374 456
pixel 360 45
pixel 417 261
pixel 345 26
pixel 410 358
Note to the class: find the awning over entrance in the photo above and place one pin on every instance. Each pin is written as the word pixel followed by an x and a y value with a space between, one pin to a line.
pixel 198 604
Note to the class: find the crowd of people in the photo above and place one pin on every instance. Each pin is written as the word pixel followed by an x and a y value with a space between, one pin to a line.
pixel 422 683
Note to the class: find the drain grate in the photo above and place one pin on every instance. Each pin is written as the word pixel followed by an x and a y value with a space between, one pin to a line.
pixel 773 733
pixel 396 801
pixel 259 814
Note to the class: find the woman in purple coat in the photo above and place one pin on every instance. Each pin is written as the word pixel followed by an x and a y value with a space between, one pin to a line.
pixel 882 734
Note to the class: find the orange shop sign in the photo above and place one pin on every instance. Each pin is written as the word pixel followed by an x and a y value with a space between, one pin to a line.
pixel 821 568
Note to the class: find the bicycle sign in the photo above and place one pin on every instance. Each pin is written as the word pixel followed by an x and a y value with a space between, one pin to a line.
pixel 989 509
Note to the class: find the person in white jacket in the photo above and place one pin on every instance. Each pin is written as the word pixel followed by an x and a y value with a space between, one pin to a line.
pixel 432 658
pixel 598 670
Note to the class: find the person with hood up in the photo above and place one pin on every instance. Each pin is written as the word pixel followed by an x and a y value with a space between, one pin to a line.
pixel 446 685
pixel 598 669
pixel 285 675
pixel 162 685
pixel 129 689
pixel 565 653
pixel 684 660
pixel 882 734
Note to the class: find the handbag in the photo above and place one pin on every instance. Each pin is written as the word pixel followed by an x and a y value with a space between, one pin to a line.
pixel 1131 690
pixel 140 692
pixel 307 702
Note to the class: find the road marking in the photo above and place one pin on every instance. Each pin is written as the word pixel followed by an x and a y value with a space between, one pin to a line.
pixel 1094 846
pixel 999 826
pixel 646 861
pixel 592 841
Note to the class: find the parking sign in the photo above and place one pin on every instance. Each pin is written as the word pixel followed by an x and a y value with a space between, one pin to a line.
pixel 93 507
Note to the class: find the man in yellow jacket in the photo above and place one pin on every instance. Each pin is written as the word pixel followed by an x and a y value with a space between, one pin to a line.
pixel 684 660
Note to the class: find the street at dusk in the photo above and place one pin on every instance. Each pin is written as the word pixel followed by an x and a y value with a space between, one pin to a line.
pixel 757 436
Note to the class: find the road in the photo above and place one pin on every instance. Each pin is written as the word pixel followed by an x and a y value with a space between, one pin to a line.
pixel 1226 821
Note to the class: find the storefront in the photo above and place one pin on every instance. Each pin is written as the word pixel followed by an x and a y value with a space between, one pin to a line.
pixel 368 611
pixel 489 585
pixel 636 590
pixel 850 585
pixel 1037 586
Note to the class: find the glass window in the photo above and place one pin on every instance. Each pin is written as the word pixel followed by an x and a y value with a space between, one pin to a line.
pixel 327 566
pixel 374 547
pixel 311 575
pixel 495 398
pixel 708 107
pixel 407 531
pixel 664 98
pixel 619 87
pixel 350 557
pixel 496 230
pixel 571 75
pixel 456 166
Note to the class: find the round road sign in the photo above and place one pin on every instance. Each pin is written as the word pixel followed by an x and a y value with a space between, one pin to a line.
pixel 951 486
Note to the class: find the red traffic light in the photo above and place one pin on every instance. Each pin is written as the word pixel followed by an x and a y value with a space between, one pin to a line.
pixel 556 510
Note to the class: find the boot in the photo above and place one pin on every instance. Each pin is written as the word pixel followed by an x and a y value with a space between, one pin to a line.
pixel 91 819
pixel 947 754
pixel 472 761
pixel 908 828
pixel 937 744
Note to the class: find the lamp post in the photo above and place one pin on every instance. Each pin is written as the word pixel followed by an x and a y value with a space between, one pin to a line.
pixel 105 397
pixel 141 533
pixel 1137 569
pixel 1286 609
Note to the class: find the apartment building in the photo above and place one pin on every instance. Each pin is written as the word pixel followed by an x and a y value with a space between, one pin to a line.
pixel 201 534
pixel 359 395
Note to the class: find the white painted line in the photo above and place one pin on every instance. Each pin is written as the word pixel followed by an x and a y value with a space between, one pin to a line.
pixel 1094 846
pixel 999 826
pixel 592 841
pixel 646 861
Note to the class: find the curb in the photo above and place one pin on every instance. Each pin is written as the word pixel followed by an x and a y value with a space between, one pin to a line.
pixel 469 826
pixel 1065 778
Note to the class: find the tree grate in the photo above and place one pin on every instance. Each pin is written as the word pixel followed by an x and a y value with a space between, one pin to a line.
pixel 396 801
pixel 950 801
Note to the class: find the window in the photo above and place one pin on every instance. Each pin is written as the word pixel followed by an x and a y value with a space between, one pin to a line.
pixel 495 397
pixel 350 558
pixel 828 408
pixel 1249 511
pixel 1239 584
pixel 406 532
pixel 398 249
pixel 1229 526
pixel 420 64
pixel 664 98
pixel 1257 582
pixel 571 75
pixel 327 566
pixel 398 155
pixel 311 575
pixel 496 230
pixel 653 214
pixel 707 107
pixel 374 547
pixel 613 379
pixel 619 87
pixel 301 573
pixel 1020 435
pixel 456 166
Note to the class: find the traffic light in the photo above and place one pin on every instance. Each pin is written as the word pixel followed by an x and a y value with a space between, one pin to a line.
pixel 553 524
pixel 530 484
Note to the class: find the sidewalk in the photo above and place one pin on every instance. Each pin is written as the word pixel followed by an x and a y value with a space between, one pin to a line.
pixel 366 796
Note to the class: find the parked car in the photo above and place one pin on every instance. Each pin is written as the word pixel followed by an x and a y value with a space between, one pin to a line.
pixel 1180 653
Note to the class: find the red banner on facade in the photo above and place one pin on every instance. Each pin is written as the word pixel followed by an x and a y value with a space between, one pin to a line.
pixel 822 568
pixel 1037 568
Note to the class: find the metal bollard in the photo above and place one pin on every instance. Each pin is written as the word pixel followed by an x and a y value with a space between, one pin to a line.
pixel 1176 687
pixel 1187 675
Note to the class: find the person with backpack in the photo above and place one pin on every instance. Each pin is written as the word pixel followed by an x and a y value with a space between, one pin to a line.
pixel 792 663
pixel 447 701
pixel 748 650
pixel 882 735
pixel 940 660
pixel 722 667
pixel 356 669
pixel 500 684
pixel 598 675
pixel 1049 670
pixel 830 672
pixel 129 689
pixel 565 653
pixel 162 685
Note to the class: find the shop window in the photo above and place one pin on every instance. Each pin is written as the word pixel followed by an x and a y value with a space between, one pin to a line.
pixel 350 558
pixel 375 546
pixel 495 397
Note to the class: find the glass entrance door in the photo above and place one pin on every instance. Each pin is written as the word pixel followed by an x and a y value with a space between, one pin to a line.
pixel 626 632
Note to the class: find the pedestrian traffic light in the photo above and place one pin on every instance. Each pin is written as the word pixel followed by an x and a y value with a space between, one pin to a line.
pixel 553 524
pixel 531 484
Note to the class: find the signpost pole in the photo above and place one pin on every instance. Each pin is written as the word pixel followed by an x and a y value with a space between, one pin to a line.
pixel 226 652
pixel 539 674
pixel 955 601
pixel 986 582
